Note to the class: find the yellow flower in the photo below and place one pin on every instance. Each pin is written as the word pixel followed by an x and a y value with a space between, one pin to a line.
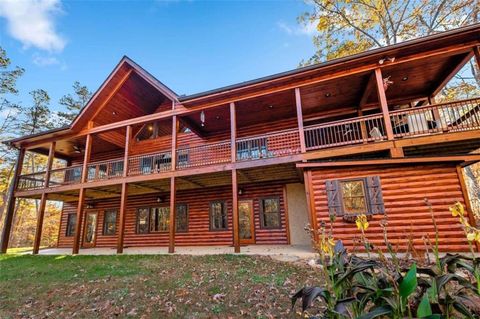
pixel 362 223
pixel 457 209
pixel 327 246
pixel 474 236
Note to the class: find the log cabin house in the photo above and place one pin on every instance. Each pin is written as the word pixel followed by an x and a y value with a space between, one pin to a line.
pixel 252 163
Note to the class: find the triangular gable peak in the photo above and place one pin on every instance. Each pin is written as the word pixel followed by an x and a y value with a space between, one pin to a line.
pixel 128 92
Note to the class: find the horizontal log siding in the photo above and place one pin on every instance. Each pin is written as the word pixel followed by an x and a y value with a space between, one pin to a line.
pixel 198 220
pixel 404 189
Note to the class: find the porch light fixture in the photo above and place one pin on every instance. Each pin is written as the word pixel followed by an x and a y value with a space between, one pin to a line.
pixel 386 59
pixel 328 94
pixel 77 149
pixel 89 206
pixel 202 118
pixel 405 78
pixel 240 191
pixel 114 113
pixel 160 199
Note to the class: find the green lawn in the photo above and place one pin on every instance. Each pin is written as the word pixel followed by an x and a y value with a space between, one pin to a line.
pixel 222 286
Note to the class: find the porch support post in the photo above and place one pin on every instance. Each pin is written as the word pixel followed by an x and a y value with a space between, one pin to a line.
pixel 466 198
pixel 81 196
pixel 476 52
pixel 382 99
pixel 233 132
pixel 236 238
pixel 174 142
pixel 43 201
pixel 10 209
pixel 123 211
pixel 298 102
pixel 124 194
pixel 171 234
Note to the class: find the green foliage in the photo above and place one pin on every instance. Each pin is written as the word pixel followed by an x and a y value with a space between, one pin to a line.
pixel 74 103
pixel 356 287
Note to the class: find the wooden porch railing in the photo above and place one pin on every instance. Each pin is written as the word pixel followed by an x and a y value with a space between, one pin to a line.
pixel 149 163
pixel 105 170
pixel 276 144
pixel 202 155
pixel 345 132
pixel 31 181
pixel 446 117
pixel 65 176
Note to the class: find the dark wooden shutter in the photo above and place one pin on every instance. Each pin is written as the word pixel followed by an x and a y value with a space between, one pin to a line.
pixel 334 197
pixel 374 190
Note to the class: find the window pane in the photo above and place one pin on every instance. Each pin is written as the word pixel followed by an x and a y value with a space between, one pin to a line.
pixel 271 213
pixel 142 221
pixel 71 222
pixel 110 222
pixel 218 215
pixel 353 195
pixel 182 218
pixel 163 218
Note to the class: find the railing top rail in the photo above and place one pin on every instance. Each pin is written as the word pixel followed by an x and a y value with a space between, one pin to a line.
pixel 33 174
pixel 66 168
pixel 120 159
pixel 151 154
pixel 252 137
pixel 345 121
pixel 427 107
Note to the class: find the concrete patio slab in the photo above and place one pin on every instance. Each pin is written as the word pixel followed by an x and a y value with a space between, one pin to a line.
pixel 280 252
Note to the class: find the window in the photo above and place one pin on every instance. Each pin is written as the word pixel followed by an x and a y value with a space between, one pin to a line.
pixel 356 196
pixel 270 213
pixel 218 215
pixel 353 197
pixel 142 221
pixel 110 222
pixel 181 218
pixel 71 222
pixel 159 217
pixel 156 219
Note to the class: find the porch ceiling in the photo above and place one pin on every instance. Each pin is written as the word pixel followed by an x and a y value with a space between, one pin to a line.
pixel 284 173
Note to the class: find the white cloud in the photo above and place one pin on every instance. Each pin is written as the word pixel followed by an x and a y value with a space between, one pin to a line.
pixel 304 29
pixel 45 60
pixel 32 22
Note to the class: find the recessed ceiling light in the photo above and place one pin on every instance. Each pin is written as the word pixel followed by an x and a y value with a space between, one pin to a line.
pixel 217 117
pixel 328 94
pixel 405 78
pixel 270 106
pixel 114 113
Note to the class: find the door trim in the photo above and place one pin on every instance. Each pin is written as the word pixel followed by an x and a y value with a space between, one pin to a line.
pixel 89 245
pixel 252 223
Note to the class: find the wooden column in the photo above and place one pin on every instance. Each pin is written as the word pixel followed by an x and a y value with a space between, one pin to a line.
pixel 233 132
pixel 81 195
pixel 10 209
pixel 236 237
pixel 382 99
pixel 298 102
pixel 43 201
pixel 466 198
pixel 476 52
pixel 174 142
pixel 312 214
pixel 124 194
pixel 171 228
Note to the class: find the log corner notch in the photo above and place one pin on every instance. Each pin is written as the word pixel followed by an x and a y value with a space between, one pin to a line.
pixel 10 209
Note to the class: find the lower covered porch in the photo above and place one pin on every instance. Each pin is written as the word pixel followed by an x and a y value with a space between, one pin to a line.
pixel 272 212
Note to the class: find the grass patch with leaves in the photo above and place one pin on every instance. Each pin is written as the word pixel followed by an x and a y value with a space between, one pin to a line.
pixel 162 286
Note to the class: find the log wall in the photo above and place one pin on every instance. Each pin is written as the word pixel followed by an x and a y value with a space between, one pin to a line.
pixel 404 189
pixel 198 220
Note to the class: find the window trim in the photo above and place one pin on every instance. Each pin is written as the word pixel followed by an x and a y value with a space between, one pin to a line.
pixel 104 228
pixel 225 206
pixel 262 216
pixel 74 225
pixel 365 195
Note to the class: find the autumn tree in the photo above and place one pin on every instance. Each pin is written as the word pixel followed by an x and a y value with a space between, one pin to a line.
pixel 73 103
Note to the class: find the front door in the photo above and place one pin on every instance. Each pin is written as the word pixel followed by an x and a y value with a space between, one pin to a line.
pixel 90 230
pixel 246 227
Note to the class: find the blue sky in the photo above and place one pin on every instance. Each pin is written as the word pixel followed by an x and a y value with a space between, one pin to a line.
pixel 191 46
